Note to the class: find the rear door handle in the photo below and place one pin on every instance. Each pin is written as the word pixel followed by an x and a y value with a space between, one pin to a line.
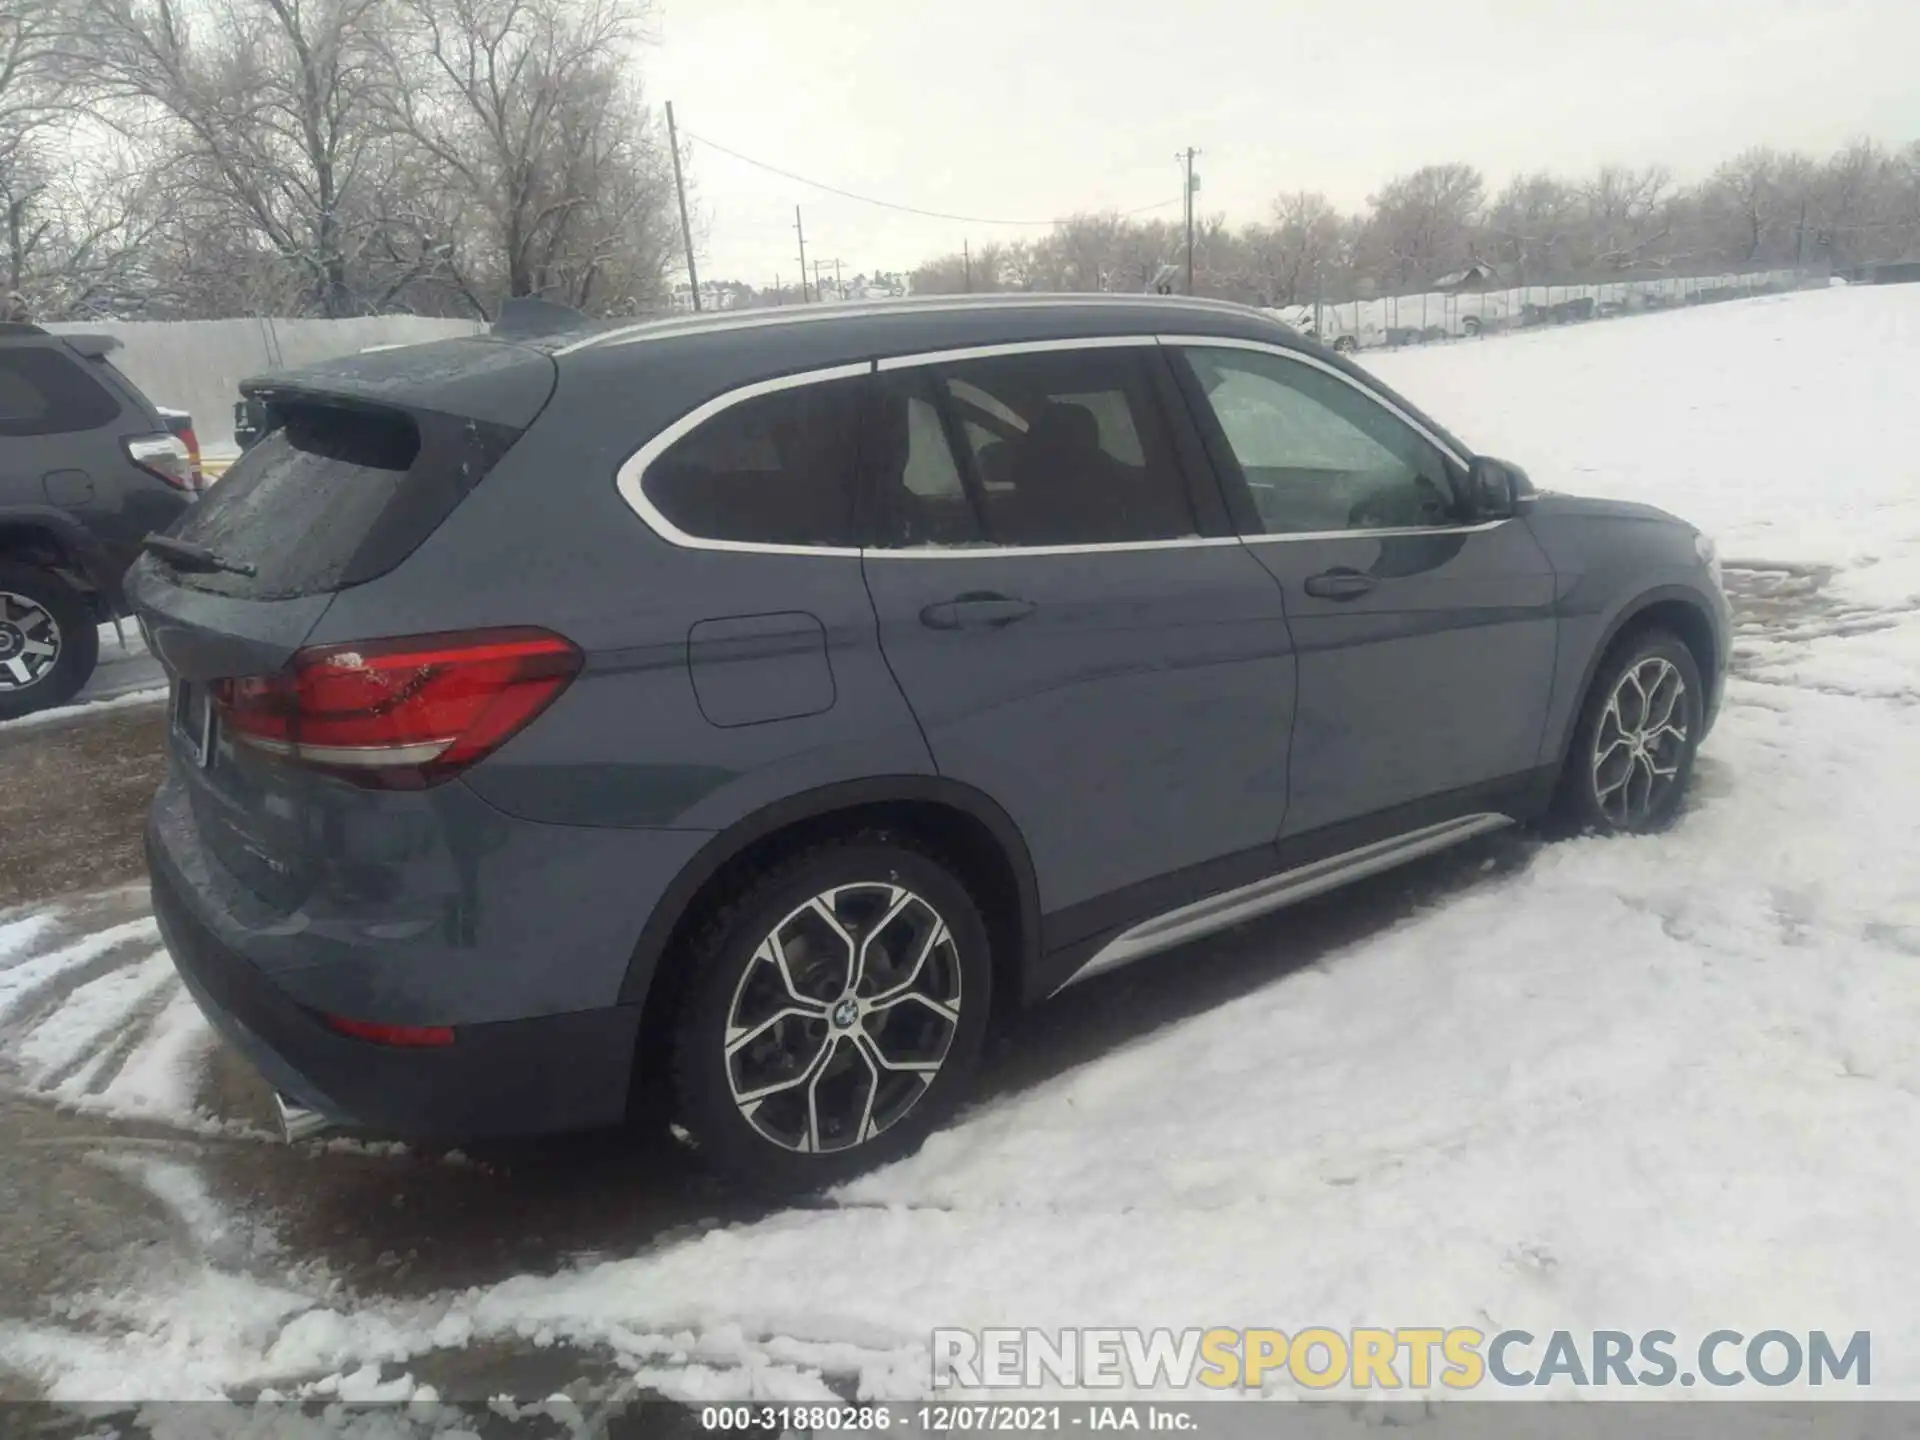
pixel 1341 584
pixel 976 610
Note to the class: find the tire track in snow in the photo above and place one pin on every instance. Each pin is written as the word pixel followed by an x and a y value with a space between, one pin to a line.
pixel 98 1020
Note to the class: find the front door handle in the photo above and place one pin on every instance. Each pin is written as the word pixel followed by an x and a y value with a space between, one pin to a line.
pixel 1341 584
pixel 976 610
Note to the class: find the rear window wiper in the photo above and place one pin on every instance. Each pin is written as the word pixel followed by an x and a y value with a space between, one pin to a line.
pixel 185 555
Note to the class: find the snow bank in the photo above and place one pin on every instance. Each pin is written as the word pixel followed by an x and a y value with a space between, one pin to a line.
pixel 1783 426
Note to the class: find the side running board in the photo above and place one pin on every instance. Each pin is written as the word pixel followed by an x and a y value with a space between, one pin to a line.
pixel 1289 887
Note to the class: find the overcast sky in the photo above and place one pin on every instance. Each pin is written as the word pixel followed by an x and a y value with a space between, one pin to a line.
pixel 1024 109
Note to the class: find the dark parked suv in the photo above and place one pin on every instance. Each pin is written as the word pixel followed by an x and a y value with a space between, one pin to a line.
pixel 751 706
pixel 87 468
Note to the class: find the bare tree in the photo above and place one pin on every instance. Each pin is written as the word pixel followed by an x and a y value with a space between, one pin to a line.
pixel 1293 258
pixel 1533 228
pixel 1625 215
pixel 90 245
pixel 1424 223
pixel 1739 205
pixel 521 104
pixel 31 35
pixel 273 110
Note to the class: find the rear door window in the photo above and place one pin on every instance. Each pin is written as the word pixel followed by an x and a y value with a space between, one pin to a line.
pixel 1053 447
pixel 44 391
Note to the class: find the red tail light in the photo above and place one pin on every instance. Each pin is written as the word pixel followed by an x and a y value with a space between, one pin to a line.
pixel 167 457
pixel 409 1036
pixel 400 714
pixel 192 442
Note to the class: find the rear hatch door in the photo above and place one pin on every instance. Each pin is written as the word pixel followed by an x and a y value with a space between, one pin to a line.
pixel 366 458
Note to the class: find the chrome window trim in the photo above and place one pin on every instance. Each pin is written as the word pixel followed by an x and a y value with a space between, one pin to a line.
pixel 1002 552
pixel 961 353
pixel 631 477
pixel 1363 533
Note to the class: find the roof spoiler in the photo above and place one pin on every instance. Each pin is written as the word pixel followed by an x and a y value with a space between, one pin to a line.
pixel 526 317
pixel 94 347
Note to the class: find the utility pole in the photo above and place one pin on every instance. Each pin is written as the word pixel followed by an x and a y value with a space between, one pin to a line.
pixel 680 188
pixel 839 285
pixel 966 266
pixel 803 253
pixel 1193 184
pixel 819 290
pixel 776 289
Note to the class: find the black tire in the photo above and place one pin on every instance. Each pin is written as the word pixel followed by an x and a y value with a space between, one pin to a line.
pixel 1471 326
pixel 1607 772
pixel 27 594
pixel 1343 345
pixel 730 969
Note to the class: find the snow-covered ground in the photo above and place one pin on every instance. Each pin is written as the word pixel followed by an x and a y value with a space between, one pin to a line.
pixel 1664 1083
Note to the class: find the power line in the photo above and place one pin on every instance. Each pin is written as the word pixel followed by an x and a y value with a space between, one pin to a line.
pixel 889 204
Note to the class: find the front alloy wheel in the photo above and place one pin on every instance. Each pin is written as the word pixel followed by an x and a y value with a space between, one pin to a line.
pixel 1640 743
pixel 1632 755
pixel 833 1014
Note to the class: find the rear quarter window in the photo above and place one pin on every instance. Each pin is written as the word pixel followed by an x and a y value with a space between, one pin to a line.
pixel 44 391
pixel 773 469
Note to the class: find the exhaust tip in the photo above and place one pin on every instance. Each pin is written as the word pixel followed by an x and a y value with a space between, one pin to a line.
pixel 299 1123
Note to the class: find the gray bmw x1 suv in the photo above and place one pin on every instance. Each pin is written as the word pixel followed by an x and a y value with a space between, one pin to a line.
pixel 744 709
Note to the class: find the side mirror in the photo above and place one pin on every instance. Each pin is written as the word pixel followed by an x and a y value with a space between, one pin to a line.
pixel 1494 488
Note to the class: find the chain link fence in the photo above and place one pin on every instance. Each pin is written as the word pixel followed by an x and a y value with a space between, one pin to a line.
pixel 1396 320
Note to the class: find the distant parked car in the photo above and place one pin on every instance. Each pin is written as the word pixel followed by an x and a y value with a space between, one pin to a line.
pixel 249 421
pixel 747 708
pixel 1329 326
pixel 88 468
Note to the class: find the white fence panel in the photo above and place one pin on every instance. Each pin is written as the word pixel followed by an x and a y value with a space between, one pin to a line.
pixel 197 365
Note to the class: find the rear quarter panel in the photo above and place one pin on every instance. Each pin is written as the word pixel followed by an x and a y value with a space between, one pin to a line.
pixel 547 540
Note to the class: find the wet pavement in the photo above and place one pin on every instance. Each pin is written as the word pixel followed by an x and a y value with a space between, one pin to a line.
pixel 91 1198
pixel 71 801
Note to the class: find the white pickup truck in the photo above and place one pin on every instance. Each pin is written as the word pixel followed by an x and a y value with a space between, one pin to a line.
pixel 1400 320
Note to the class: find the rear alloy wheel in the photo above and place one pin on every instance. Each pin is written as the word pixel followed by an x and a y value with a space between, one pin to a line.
pixel 836 1015
pixel 1633 753
pixel 48 643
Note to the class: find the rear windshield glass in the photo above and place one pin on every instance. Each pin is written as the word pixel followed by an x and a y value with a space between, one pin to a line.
pixel 303 502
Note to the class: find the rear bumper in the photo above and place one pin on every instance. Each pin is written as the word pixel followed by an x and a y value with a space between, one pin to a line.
pixel 518 1077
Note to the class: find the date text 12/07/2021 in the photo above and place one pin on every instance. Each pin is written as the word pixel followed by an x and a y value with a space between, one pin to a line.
pixel 951 1418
